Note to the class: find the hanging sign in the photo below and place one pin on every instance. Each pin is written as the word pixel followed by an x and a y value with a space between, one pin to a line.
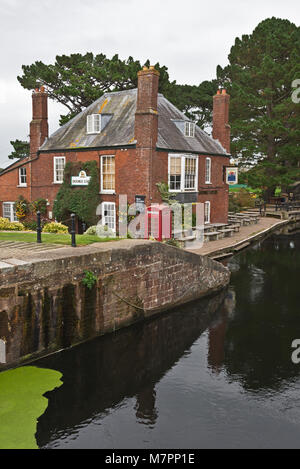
pixel 81 180
pixel 232 175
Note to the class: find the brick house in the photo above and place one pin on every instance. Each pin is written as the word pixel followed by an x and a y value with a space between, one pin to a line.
pixel 138 139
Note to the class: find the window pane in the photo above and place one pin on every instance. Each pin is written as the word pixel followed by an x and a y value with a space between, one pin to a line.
pixel 109 217
pixel 6 211
pixel 59 166
pixel 207 212
pixel 23 179
pixel 208 170
pixel 108 173
pixel 175 173
pixel 190 173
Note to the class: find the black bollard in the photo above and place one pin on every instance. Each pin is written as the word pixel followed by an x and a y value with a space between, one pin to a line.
pixel 39 228
pixel 73 231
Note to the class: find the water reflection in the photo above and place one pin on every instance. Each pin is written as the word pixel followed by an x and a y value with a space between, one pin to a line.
pixel 217 373
pixel 101 374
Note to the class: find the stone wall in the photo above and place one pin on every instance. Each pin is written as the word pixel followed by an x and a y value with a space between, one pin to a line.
pixel 44 305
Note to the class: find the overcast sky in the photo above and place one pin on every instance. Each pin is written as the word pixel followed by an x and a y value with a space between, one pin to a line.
pixel 190 37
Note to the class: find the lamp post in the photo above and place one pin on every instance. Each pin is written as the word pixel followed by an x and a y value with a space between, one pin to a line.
pixel 39 228
pixel 73 231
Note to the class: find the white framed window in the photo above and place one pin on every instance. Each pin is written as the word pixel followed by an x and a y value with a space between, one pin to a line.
pixel 183 173
pixel 9 211
pixel 189 129
pixel 109 215
pixel 22 177
pixel 59 163
pixel 207 212
pixel 208 171
pixel 93 124
pixel 108 174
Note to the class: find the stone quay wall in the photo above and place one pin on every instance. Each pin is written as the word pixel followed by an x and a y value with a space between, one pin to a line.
pixel 45 305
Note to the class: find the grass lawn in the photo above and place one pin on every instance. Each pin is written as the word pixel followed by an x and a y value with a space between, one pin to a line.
pixel 52 238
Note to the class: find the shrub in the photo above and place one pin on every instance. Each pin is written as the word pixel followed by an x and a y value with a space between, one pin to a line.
pixel 173 242
pixel 241 199
pixel 54 227
pixel 39 205
pixel 22 207
pixel 30 225
pixel 104 231
pixel 6 225
pixel 91 231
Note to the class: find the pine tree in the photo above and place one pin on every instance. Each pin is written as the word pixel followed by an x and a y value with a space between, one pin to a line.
pixel 265 122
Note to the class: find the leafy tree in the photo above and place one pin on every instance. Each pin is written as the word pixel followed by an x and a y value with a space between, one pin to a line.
pixel 82 201
pixel 76 81
pixel 265 122
pixel 21 149
pixel 195 101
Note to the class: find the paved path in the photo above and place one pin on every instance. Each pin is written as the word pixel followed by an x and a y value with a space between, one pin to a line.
pixel 14 249
pixel 244 234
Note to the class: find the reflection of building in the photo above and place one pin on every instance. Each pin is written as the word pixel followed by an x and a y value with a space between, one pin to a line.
pixel 217 333
pixel 138 139
pixel 145 406
pixel 127 364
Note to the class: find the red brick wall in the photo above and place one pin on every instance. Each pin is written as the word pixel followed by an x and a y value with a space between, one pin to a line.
pixel 132 169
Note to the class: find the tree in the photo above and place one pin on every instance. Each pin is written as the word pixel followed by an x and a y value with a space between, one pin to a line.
pixel 76 81
pixel 21 149
pixel 265 122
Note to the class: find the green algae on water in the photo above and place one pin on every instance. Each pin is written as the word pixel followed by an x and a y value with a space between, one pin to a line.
pixel 22 403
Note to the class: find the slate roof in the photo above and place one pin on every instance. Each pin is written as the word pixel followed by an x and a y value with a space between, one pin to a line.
pixel 119 130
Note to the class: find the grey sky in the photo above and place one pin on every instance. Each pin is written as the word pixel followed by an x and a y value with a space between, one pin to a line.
pixel 190 37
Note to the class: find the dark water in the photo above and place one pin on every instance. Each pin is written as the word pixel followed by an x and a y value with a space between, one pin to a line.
pixel 215 374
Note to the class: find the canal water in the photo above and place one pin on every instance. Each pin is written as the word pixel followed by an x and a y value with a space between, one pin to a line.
pixel 215 374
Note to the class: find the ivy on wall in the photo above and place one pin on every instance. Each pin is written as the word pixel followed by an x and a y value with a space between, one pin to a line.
pixel 82 201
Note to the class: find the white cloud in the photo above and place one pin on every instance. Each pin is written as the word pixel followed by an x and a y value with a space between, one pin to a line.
pixel 190 38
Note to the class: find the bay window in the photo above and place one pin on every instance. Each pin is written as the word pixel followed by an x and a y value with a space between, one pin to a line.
pixel 183 173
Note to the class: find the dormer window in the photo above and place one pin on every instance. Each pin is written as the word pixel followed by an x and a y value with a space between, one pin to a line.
pixel 189 129
pixel 94 123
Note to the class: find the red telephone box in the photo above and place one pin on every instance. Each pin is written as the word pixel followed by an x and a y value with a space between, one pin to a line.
pixel 158 222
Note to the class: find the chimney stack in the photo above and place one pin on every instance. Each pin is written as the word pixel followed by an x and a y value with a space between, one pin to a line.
pixel 221 127
pixel 146 117
pixel 39 123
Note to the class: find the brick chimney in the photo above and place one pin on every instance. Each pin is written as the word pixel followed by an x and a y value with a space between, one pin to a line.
pixel 146 128
pixel 221 127
pixel 39 123
pixel 146 117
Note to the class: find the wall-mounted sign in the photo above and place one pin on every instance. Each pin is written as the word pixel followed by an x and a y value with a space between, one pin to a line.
pixel 140 203
pixel 81 180
pixel 232 175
